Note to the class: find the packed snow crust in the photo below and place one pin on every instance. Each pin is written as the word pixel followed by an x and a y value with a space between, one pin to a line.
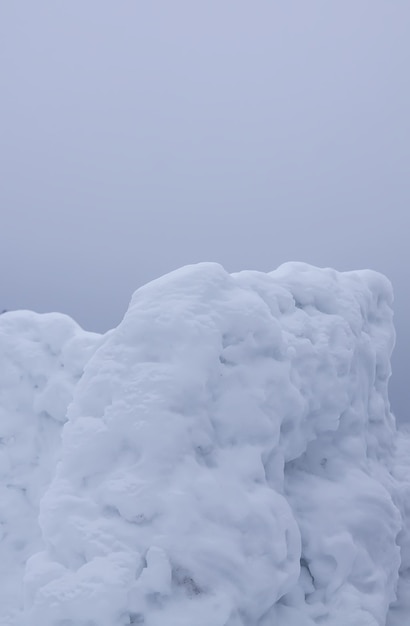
pixel 225 457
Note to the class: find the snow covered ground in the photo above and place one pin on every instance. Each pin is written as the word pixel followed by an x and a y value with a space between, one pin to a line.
pixel 225 457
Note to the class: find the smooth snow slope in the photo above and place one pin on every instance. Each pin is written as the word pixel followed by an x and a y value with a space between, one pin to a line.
pixel 229 459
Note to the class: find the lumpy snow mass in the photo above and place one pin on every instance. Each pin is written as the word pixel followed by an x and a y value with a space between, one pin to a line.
pixel 225 457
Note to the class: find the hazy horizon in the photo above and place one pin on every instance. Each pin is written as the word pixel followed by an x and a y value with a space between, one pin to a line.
pixel 139 138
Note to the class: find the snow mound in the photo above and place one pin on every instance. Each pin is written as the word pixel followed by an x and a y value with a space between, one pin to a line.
pixel 41 359
pixel 228 458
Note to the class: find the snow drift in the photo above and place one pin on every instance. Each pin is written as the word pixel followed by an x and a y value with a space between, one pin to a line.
pixel 225 457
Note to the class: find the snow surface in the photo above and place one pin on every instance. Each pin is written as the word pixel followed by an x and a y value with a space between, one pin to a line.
pixel 225 457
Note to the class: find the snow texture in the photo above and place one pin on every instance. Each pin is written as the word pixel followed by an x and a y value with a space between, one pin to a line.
pixel 42 357
pixel 225 457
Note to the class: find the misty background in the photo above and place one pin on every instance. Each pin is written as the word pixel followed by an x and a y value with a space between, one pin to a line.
pixel 137 137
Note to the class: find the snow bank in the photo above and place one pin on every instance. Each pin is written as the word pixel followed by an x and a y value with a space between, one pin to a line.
pixel 229 459
pixel 41 359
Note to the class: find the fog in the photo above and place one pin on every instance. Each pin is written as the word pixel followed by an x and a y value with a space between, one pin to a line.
pixel 139 137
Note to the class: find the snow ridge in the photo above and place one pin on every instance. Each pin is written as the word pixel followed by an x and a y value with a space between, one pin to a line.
pixel 225 457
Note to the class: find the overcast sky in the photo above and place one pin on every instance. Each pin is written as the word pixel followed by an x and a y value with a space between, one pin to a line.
pixel 138 136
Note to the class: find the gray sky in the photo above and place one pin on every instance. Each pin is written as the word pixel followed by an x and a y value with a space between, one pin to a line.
pixel 140 136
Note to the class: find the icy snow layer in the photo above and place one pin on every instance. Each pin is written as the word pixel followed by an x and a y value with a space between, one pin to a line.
pixel 229 459
pixel 41 359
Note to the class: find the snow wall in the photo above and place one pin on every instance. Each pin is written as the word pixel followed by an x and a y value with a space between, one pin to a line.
pixel 225 457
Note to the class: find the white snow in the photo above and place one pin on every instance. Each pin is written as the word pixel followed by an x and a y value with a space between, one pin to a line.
pixel 41 359
pixel 225 457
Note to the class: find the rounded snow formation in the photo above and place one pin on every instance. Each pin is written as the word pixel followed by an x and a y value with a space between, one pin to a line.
pixel 228 458
pixel 41 359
